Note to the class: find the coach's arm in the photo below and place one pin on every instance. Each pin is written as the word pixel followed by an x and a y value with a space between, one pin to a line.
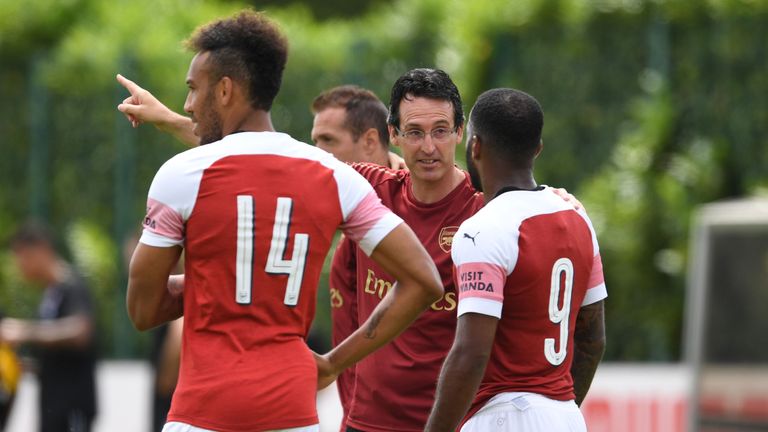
pixel 418 285
pixel 149 299
pixel 588 349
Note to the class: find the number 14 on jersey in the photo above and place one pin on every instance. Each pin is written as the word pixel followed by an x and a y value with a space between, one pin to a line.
pixel 276 264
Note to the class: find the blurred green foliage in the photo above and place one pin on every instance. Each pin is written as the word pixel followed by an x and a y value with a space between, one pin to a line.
pixel 652 107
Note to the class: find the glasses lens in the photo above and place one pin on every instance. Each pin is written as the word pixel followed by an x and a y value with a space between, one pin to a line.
pixel 440 134
pixel 414 135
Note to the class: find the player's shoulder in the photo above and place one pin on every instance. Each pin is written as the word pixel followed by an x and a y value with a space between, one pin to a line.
pixel 379 174
pixel 518 205
pixel 272 143
pixel 523 205
pixel 483 237
pixel 484 230
pixel 255 143
pixel 510 208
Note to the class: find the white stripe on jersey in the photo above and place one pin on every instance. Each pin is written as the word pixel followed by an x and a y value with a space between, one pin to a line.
pixel 595 294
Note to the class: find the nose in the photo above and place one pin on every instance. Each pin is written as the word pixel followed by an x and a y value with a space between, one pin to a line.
pixel 428 146
pixel 188 105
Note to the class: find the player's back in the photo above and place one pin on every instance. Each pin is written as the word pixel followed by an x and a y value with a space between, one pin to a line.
pixel 260 212
pixel 548 252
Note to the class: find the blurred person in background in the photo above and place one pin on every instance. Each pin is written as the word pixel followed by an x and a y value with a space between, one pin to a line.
pixel 63 337
pixel 531 288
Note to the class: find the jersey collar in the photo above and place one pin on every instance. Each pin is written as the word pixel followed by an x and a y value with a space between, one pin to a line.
pixel 514 188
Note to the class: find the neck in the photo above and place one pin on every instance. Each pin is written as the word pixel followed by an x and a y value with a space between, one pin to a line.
pixel 56 271
pixel 430 192
pixel 253 121
pixel 381 158
pixel 497 179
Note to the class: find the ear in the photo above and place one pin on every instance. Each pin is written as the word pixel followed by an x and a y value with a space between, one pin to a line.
pixel 392 135
pixel 477 147
pixel 539 148
pixel 370 141
pixel 460 134
pixel 225 89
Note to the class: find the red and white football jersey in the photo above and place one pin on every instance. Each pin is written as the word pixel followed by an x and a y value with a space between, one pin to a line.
pixel 531 260
pixel 255 213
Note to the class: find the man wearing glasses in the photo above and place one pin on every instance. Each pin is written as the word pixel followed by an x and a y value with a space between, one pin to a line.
pixel 395 387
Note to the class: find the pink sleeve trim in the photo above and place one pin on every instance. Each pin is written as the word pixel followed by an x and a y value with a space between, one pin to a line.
pixel 364 217
pixel 596 290
pixel 164 221
pixel 596 277
pixel 480 280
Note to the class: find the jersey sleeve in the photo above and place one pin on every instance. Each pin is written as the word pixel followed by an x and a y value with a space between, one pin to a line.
pixel 374 173
pixel 169 204
pixel 596 289
pixel 481 268
pixel 366 220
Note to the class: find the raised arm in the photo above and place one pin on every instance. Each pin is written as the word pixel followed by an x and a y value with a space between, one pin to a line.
pixel 418 285
pixel 142 107
pixel 462 371
pixel 73 331
pixel 149 299
pixel 589 345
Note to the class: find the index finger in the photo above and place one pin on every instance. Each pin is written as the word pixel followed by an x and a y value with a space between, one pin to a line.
pixel 131 86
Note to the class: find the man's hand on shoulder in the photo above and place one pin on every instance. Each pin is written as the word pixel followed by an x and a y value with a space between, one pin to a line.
pixel 396 162
pixel 562 193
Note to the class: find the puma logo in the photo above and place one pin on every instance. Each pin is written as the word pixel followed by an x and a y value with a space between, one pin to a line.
pixel 471 237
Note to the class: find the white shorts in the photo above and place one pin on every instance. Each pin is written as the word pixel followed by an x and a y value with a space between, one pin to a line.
pixel 508 412
pixel 183 427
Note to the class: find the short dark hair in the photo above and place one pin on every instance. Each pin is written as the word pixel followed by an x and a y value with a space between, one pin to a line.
pixel 364 110
pixel 32 233
pixel 426 83
pixel 248 48
pixel 509 122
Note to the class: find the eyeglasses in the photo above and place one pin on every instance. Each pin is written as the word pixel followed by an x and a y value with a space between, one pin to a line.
pixel 416 136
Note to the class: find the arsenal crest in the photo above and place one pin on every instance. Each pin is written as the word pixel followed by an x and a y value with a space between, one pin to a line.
pixel 446 238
